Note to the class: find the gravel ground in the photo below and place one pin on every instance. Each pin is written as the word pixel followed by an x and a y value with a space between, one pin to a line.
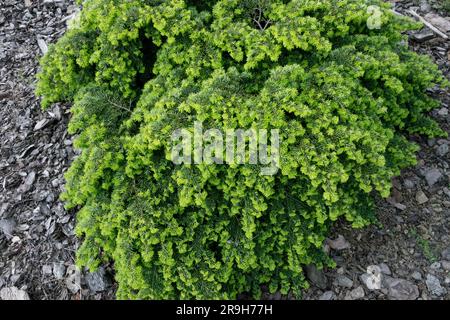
pixel 405 256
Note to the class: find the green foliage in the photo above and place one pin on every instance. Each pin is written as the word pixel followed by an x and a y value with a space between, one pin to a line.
pixel 343 96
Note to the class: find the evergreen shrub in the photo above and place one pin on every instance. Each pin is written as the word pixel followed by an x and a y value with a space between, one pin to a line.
pixel 344 95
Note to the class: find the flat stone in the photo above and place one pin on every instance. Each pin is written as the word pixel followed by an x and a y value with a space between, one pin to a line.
pixel 445 265
pixel 13 293
pixel 384 268
pixel 355 294
pixel 372 279
pixel 59 270
pixel 421 198
pixel 316 276
pixel 97 280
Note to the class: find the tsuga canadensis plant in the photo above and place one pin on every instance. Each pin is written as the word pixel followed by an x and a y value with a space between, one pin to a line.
pixel 345 97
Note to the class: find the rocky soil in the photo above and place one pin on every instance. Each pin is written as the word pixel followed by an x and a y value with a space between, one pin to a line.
pixel 405 256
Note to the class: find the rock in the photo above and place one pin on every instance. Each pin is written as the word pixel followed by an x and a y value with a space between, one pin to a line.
pixel 47 269
pixel 59 270
pixel 434 286
pixel 438 21
pixel 409 184
pixel 436 266
pixel 447 192
pixel 372 278
pixel 423 35
pixel 42 45
pixel 384 268
pixel 327 295
pixel 442 150
pixel 316 276
pixel 421 198
pixel 7 227
pixel 339 243
pixel 355 294
pixel 344 281
pixel 97 281
pixel 425 7
pixel 416 275
pixel 400 206
pixel 433 176
pixel 73 280
pixel 26 186
pixel 41 124
pixel 399 289
pixel 443 112
pixel 446 254
pixel 446 265
pixel 13 293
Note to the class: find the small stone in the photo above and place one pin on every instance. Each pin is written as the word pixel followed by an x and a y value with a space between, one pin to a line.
pixel 355 294
pixel 433 176
pixel 425 7
pixel 446 254
pixel 438 21
pixel 434 286
pixel 13 293
pixel 421 198
pixel 59 270
pixel 442 150
pixel 400 206
pixel 97 280
pixel 339 243
pixel 47 269
pixel 327 295
pixel 399 289
pixel 7 226
pixel 424 35
pixel 15 239
pixel 384 268
pixel 316 276
pixel 446 265
pixel 435 266
pixel 409 184
pixel 416 275
pixel 40 124
pixel 42 45
pixel 344 281
pixel 373 278
pixel 73 280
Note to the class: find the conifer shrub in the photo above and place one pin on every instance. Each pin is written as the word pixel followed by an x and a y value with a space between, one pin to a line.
pixel 344 96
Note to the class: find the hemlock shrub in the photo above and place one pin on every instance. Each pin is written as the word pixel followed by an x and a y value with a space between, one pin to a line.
pixel 344 97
